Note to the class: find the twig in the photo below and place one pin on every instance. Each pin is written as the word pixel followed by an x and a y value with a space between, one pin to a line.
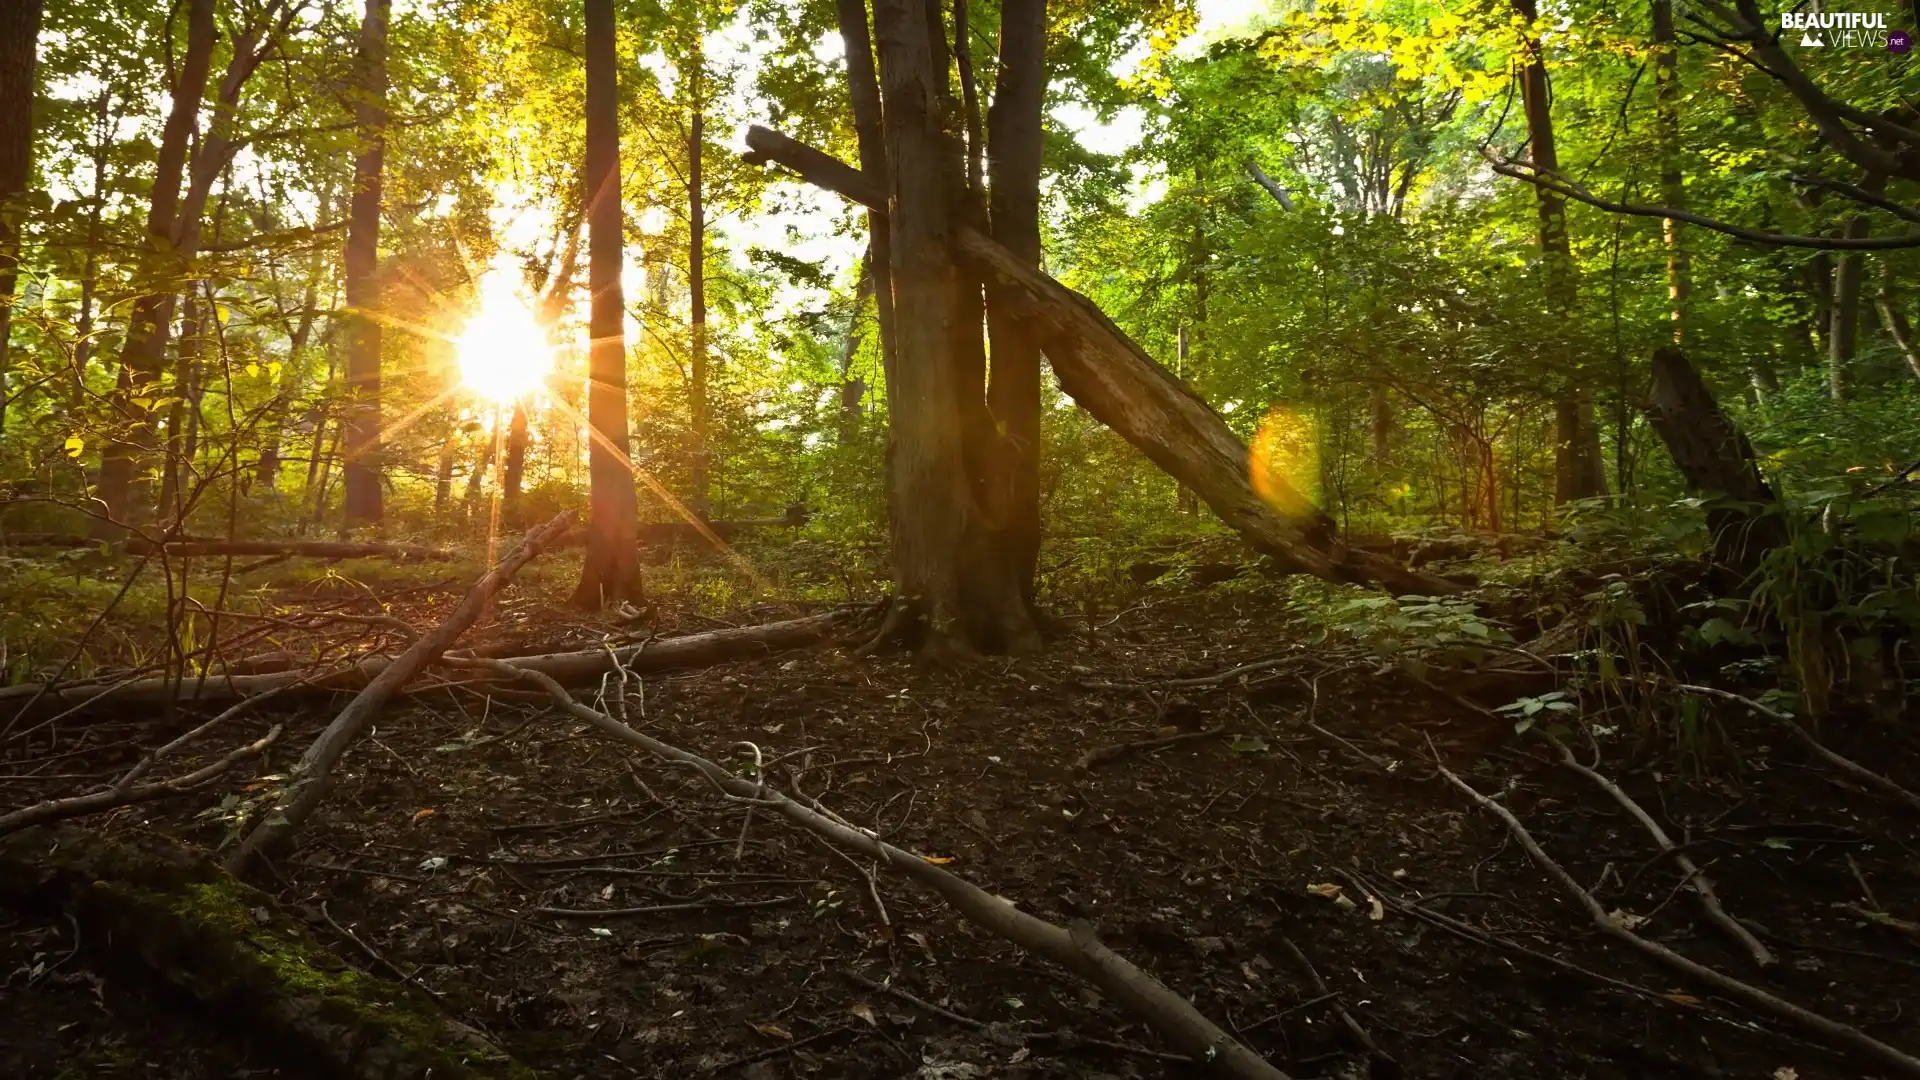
pixel 660 909
pixel 890 988
pixel 1216 679
pixel 1844 764
pixel 1865 889
pixel 1844 1034
pixel 117 796
pixel 1353 1027
pixel 873 887
pixel 374 955
pixel 1880 918
pixel 1695 877
pixel 1107 753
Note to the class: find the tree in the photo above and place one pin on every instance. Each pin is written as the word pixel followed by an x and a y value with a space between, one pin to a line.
pixel 19 48
pixel 362 422
pixel 612 569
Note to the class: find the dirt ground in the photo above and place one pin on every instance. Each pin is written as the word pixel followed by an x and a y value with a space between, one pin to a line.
pixel 603 916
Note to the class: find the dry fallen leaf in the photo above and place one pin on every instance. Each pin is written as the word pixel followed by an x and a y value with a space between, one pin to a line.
pixel 775 1031
pixel 1331 892
pixel 423 814
pixel 864 1011
pixel 1626 920
pixel 1377 910
pixel 1679 998
pixel 938 860
pixel 1786 1072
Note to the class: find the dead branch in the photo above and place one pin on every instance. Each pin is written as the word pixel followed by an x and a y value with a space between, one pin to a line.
pixel 1077 950
pixel 1101 754
pixel 123 794
pixel 1697 879
pixel 659 654
pixel 313 775
pixel 1819 749
pixel 1353 1027
pixel 311 549
pixel 1843 1034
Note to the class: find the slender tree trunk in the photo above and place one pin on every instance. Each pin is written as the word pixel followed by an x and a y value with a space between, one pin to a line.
pixel 443 474
pixel 1888 301
pixel 697 289
pixel 267 471
pixel 1579 472
pixel 612 569
pixel 1673 188
pixel 19 59
pixel 179 453
pixel 362 270
pixel 90 268
pixel 1013 391
pixel 514 476
pixel 1843 337
pixel 853 387
pixel 147 326
pixel 863 92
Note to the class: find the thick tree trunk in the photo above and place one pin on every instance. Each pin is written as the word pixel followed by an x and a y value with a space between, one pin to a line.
pixel 612 569
pixel 1579 472
pixel 1013 390
pixel 147 325
pixel 1716 459
pixel 362 420
pixel 1111 377
pixel 19 58
pixel 1673 188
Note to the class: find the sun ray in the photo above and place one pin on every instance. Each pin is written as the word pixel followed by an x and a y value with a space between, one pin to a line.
pixel 402 424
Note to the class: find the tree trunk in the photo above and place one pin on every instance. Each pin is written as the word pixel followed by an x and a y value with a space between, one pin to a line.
pixel 1013 390
pixel 362 420
pixel 147 325
pixel 1888 301
pixel 19 57
pixel 1109 375
pixel 267 471
pixel 1716 459
pixel 611 572
pixel 514 475
pixel 1578 471
pixel 1673 188
pixel 180 451
pixel 697 291
pixel 863 92
pixel 1843 336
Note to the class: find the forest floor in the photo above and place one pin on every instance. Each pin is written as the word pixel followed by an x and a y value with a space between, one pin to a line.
pixel 488 849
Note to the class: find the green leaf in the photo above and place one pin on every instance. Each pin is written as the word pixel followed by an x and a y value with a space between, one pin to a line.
pixel 1248 744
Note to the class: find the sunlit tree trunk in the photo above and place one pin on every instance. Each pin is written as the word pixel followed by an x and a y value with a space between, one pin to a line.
pixel 698 410
pixel 179 451
pixel 147 325
pixel 1013 390
pixel 863 92
pixel 1579 472
pixel 513 477
pixel 19 52
pixel 1843 335
pixel 362 271
pixel 1673 188
pixel 612 569
pixel 1895 320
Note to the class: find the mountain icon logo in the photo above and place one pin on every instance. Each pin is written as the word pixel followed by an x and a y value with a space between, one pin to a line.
pixel 1810 40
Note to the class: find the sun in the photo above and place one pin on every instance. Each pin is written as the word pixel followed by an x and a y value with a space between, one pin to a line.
pixel 504 355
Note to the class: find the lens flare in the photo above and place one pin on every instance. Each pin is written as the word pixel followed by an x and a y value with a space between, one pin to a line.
pixel 504 355
pixel 1284 462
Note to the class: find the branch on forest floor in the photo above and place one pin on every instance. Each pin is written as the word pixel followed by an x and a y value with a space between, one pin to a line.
pixel 1843 1034
pixel 313 776
pixel 1806 738
pixel 1100 754
pixel 125 794
pixel 1383 1061
pixel 1075 949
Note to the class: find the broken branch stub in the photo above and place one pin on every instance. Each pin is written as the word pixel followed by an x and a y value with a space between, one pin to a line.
pixel 313 776
pixel 1110 376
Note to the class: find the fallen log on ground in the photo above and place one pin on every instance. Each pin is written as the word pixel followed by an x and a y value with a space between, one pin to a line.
pixel 1111 377
pixel 704 649
pixel 1073 948
pixel 312 549
pixel 313 775
pixel 178 919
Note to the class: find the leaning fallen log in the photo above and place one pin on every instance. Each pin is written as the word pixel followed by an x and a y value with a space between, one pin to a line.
pixel 1106 373
pixel 704 649
pixel 176 918
pixel 310 549
pixel 313 774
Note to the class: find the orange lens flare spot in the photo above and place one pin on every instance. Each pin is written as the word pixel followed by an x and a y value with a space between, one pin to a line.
pixel 1284 461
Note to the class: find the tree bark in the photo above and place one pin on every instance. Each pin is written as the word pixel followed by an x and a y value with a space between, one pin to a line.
pixel 1716 459
pixel 698 411
pixel 1578 471
pixel 19 59
pixel 147 325
pixel 1843 336
pixel 362 420
pixel 611 572
pixel 1673 188
pixel 1888 301
pixel 1014 143
pixel 863 92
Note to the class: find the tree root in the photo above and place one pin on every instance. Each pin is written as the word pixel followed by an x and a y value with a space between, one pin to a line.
pixel 1075 949
pixel 1842 1034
